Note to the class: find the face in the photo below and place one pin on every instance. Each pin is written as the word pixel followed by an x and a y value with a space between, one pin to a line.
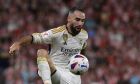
pixel 76 21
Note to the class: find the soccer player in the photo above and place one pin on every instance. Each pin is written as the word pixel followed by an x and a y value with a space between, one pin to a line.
pixel 66 41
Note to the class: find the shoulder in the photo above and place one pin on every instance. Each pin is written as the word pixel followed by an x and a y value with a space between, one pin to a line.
pixel 58 29
pixel 84 34
pixel 84 31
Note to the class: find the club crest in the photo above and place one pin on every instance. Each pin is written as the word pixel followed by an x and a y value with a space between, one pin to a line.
pixel 65 38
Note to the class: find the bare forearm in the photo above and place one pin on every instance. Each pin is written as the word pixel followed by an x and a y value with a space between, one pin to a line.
pixel 25 40
pixel 17 45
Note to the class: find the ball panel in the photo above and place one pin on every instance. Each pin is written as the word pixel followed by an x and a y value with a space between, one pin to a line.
pixel 79 56
pixel 73 65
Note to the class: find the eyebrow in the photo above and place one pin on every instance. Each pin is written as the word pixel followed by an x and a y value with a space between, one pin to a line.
pixel 79 18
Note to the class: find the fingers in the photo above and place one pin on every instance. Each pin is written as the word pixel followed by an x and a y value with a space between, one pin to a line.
pixel 13 49
pixel 12 53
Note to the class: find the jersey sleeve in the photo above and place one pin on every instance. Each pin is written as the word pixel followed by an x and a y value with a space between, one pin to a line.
pixel 85 41
pixel 44 37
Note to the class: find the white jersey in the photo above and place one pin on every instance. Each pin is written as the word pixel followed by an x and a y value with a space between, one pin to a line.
pixel 63 44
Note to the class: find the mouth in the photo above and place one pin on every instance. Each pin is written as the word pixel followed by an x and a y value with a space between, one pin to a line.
pixel 78 28
pixel 75 30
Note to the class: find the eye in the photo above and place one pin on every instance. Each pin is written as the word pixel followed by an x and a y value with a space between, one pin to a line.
pixel 83 20
pixel 77 19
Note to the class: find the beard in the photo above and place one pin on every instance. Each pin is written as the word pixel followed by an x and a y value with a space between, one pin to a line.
pixel 74 32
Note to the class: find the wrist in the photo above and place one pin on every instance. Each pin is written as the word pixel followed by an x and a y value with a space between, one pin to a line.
pixel 18 43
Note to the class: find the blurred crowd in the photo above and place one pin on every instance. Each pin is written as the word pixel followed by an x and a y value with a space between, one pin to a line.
pixel 113 46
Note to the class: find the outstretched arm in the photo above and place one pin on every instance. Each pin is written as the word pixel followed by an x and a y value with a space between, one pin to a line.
pixel 37 38
pixel 18 44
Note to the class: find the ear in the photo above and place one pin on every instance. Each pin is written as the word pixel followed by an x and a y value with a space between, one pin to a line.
pixel 70 17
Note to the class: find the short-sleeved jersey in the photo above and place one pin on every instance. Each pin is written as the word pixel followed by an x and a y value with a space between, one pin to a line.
pixel 63 44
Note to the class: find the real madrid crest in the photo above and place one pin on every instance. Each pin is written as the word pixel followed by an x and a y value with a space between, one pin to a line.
pixel 65 38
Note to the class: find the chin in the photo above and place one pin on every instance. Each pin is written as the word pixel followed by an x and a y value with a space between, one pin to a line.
pixel 75 31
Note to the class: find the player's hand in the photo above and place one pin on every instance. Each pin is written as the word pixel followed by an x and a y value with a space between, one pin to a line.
pixel 14 48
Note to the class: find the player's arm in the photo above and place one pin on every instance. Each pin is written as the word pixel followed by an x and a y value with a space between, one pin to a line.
pixel 36 38
pixel 83 49
pixel 21 42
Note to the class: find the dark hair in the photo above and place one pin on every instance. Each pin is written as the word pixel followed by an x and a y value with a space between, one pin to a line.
pixel 71 10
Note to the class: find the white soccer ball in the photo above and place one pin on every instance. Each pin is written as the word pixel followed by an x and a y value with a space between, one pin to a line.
pixel 78 64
